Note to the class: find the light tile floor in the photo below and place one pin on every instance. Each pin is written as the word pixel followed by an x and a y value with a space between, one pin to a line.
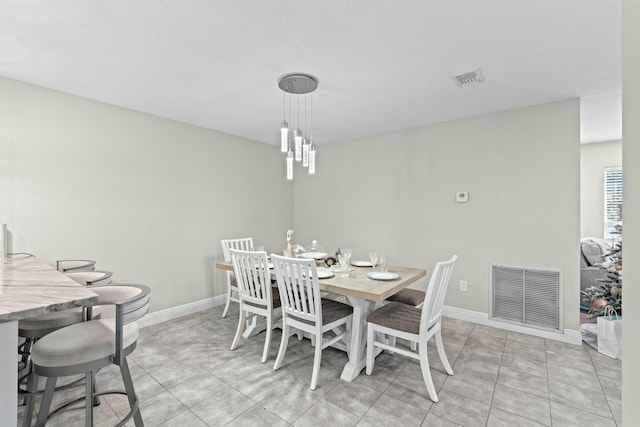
pixel 186 375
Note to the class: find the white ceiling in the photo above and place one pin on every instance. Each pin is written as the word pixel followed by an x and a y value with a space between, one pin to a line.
pixel 382 65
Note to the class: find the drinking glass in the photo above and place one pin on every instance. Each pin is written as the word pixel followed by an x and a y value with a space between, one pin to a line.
pixel 344 258
pixel 373 256
pixel 383 263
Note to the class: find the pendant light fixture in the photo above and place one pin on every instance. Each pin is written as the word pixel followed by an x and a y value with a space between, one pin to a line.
pixel 298 144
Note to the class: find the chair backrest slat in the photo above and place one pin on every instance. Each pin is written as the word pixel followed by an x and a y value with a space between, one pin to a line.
pixel 436 292
pixel 243 244
pixel 299 287
pixel 251 269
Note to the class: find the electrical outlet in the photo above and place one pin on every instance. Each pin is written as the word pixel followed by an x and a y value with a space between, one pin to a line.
pixel 463 285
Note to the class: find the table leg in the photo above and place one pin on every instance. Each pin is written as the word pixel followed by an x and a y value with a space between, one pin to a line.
pixel 9 373
pixel 357 354
pixel 252 327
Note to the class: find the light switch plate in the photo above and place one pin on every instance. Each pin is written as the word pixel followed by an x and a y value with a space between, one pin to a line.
pixel 462 196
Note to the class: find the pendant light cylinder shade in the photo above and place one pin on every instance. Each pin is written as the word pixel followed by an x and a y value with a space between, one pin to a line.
pixel 289 165
pixel 305 152
pixel 284 136
pixel 297 138
pixel 312 159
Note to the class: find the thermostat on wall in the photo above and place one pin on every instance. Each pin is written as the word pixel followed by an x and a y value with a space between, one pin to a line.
pixel 462 196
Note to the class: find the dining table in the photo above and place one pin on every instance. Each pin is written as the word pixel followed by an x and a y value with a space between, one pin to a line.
pixel 28 288
pixel 364 295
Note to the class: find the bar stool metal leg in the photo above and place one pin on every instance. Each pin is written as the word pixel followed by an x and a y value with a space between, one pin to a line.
pixel 46 401
pixel 131 394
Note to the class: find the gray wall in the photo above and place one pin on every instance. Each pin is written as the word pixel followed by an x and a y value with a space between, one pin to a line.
pixel 594 159
pixel 395 193
pixel 148 198
pixel 631 248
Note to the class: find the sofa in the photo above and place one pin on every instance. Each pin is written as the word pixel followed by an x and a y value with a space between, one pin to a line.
pixel 593 252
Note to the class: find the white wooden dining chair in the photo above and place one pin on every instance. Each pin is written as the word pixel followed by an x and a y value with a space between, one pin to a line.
pixel 304 309
pixel 243 244
pixel 255 293
pixel 416 325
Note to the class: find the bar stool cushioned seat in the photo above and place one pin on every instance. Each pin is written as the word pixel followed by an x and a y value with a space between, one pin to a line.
pixel 65 265
pixel 81 343
pixel 90 278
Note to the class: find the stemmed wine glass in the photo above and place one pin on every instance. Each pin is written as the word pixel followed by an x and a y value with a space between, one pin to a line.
pixel 373 256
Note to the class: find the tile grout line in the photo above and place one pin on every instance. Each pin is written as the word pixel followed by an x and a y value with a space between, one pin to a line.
pixel 546 365
pixel 495 385
pixel 602 389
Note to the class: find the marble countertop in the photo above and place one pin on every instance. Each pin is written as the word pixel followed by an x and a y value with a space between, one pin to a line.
pixel 30 288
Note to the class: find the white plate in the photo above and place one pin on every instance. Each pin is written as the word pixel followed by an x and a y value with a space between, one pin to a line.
pixel 382 275
pixel 313 255
pixel 324 273
pixel 362 263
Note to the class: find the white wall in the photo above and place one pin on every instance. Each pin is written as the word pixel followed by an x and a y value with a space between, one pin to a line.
pixel 395 193
pixel 148 198
pixel 594 159
pixel 631 231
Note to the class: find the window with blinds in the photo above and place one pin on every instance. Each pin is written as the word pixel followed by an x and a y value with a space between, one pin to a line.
pixel 612 199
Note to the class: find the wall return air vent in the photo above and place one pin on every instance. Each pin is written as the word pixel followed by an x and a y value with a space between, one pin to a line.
pixel 529 297
pixel 470 78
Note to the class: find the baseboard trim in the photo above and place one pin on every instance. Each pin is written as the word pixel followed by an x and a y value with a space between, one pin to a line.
pixel 569 336
pixel 181 310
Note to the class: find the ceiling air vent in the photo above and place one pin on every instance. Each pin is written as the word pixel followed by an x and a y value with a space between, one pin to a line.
pixel 469 78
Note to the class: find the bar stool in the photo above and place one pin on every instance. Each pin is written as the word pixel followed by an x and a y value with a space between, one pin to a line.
pixel 32 329
pixel 87 347
pixel 36 327
pixel 66 265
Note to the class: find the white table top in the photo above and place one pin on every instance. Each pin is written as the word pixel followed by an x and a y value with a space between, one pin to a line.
pixel 30 288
